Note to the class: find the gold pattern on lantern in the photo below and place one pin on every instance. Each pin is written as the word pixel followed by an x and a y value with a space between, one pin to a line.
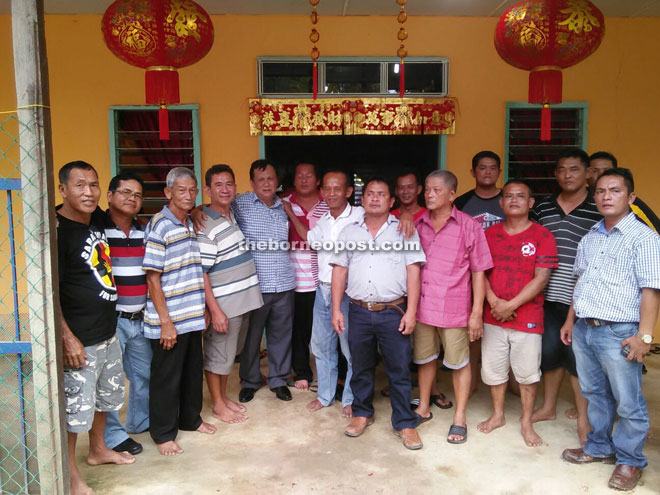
pixel 402 35
pixel 532 36
pixel 516 14
pixel 185 16
pixel 314 35
pixel 579 18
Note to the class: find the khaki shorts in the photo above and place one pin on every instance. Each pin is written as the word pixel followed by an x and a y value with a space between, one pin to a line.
pixel 220 349
pixel 99 386
pixel 503 348
pixel 427 340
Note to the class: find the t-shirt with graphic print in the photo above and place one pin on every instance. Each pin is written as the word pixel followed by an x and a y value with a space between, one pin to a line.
pixel 486 211
pixel 515 257
pixel 88 295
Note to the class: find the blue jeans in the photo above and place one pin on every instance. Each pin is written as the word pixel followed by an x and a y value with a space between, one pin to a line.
pixel 324 348
pixel 136 351
pixel 369 331
pixel 612 386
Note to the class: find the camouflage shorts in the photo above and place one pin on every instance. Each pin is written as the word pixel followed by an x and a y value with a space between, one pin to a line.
pixel 99 386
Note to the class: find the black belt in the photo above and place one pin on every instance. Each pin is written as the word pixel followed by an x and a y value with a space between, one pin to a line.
pixel 138 315
pixel 595 322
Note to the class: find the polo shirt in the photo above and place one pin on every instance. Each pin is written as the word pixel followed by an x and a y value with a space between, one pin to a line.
pixel 486 211
pixel 377 273
pixel 229 265
pixel 452 254
pixel 171 248
pixel 568 230
pixel 267 228
pixel 612 269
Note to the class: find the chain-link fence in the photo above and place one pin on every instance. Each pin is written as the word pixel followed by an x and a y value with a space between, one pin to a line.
pixel 30 435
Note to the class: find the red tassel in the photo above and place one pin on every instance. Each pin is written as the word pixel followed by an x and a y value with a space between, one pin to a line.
pixel 163 124
pixel 315 81
pixel 402 79
pixel 546 123
pixel 545 86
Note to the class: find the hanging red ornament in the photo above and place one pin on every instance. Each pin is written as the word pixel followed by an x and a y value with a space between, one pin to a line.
pixel 160 36
pixel 402 53
pixel 544 37
pixel 314 36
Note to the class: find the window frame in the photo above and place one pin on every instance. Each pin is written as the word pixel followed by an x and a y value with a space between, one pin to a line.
pixel 356 60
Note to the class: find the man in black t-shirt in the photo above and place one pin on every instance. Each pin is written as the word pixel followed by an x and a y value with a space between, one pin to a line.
pixel 93 375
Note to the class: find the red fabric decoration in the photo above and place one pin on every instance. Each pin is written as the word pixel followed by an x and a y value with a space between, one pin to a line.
pixel 545 36
pixel 160 36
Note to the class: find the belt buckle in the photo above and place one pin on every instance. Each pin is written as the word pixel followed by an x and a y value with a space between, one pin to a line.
pixel 369 305
pixel 597 322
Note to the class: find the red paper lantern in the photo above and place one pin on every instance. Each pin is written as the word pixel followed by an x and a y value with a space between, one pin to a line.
pixel 160 36
pixel 545 36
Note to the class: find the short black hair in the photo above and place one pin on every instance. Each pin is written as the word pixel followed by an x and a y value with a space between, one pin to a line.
pixel 408 171
pixel 317 171
pixel 521 182
pixel 65 171
pixel 625 173
pixel 261 166
pixel 116 180
pixel 381 179
pixel 218 169
pixel 485 154
pixel 604 155
pixel 338 170
pixel 574 152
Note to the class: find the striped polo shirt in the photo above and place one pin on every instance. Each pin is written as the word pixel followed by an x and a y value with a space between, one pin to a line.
pixel 126 254
pixel 171 248
pixel 568 230
pixel 229 265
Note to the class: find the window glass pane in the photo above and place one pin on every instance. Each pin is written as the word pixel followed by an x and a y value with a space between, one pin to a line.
pixel 287 77
pixel 421 77
pixel 352 77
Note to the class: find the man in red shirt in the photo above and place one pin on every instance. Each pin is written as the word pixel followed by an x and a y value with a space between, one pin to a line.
pixel 523 253
pixel 407 193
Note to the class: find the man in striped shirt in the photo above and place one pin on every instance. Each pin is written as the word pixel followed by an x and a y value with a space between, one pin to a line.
pixel 126 240
pixel 174 318
pixel 569 216
pixel 232 290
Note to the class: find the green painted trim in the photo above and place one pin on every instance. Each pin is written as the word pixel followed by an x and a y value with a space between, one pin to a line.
pixel 506 142
pixel 350 59
pixel 197 155
pixel 442 152
pixel 262 147
pixel 192 106
pixel 112 125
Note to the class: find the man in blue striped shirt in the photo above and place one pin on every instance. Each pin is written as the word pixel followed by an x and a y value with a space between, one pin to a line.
pixel 174 317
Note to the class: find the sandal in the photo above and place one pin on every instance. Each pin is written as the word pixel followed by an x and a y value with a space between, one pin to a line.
pixel 439 399
pixel 457 430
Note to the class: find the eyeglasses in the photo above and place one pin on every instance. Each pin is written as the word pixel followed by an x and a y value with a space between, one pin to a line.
pixel 127 193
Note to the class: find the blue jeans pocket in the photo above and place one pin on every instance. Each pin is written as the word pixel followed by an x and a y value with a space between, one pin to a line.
pixel 623 330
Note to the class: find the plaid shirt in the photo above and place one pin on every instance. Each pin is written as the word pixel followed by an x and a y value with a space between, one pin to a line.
pixel 612 269
pixel 269 225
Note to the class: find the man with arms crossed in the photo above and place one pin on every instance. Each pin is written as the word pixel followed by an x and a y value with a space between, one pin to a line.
pixel 616 301
pixel 174 318
pixel 524 253
pixel 377 282
pixel 452 296
pixel 93 378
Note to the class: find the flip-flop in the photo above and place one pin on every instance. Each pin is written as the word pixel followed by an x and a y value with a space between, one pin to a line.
pixel 422 419
pixel 457 430
pixel 438 399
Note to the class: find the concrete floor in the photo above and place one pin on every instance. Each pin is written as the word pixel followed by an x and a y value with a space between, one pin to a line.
pixel 285 449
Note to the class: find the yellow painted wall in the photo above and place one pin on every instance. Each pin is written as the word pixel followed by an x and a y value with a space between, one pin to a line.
pixel 619 82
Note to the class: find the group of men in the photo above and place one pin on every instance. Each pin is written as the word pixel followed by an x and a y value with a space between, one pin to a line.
pixel 484 281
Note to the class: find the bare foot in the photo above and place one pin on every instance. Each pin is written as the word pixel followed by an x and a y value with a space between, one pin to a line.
pixel 228 416
pixel 543 415
pixel 79 487
pixel 169 448
pixel 109 456
pixel 315 405
pixel 491 423
pixel 235 406
pixel 530 436
pixel 571 413
pixel 347 412
pixel 302 384
pixel 207 428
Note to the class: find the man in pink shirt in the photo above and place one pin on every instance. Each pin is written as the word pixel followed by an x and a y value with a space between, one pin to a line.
pixel 453 284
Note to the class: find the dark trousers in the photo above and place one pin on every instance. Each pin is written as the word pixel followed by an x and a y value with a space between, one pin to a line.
pixel 554 353
pixel 276 316
pixel 303 316
pixel 369 331
pixel 175 389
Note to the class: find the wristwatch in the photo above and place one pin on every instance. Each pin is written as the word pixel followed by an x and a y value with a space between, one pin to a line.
pixel 647 339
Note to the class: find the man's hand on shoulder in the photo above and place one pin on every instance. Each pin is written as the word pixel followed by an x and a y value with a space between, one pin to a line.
pixel 406 224
pixel 198 218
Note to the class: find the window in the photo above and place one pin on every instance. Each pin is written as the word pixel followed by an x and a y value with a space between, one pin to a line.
pixel 136 148
pixel 533 160
pixel 292 76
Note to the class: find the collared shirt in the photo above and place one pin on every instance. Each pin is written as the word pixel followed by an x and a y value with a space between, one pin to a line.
pixel 452 253
pixel 568 230
pixel 377 274
pixel 229 265
pixel 324 235
pixel 267 227
pixel 127 254
pixel 171 248
pixel 612 269
pixel 305 262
